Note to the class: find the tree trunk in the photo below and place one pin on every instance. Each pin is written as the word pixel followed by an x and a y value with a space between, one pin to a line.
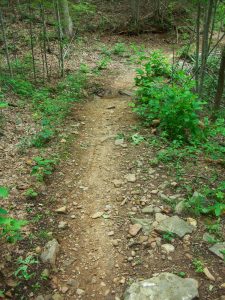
pixel 135 5
pixel 221 82
pixel 205 42
pixel 67 23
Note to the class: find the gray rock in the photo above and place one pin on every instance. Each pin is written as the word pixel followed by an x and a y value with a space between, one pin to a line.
pixel 168 248
pixel 50 251
pixel 176 225
pixel 57 297
pixel 62 225
pixel 217 248
pixel 166 286
pixel 145 223
pixel 148 209
pixel 160 217
pixel 180 207
pixel 40 297
pixel 119 142
pixel 117 183
pixel 130 177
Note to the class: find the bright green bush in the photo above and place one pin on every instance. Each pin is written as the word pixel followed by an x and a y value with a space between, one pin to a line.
pixel 9 228
pixel 166 94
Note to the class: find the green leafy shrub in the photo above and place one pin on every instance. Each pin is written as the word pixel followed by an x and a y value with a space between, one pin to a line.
pixel 212 201
pixel 119 49
pixel 166 95
pixel 42 168
pixel 9 228
pixel 30 193
pixel 23 271
pixel 42 137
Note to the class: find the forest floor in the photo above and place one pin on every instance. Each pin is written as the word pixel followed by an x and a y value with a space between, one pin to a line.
pixel 105 183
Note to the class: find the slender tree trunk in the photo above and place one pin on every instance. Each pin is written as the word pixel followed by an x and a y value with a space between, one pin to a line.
pixel 32 41
pixel 66 20
pixel 44 38
pixel 6 44
pixel 205 43
pixel 220 85
pixel 135 7
pixel 59 29
pixel 198 23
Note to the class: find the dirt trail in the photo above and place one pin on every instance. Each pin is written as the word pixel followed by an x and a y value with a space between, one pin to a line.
pixel 88 254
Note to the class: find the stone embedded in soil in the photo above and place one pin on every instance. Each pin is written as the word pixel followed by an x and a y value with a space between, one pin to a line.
pixel 176 225
pixel 80 292
pixel 117 183
pixel 130 177
pixel 50 251
pixel 168 248
pixel 97 215
pixel 62 225
pixel 61 210
pixel 165 286
pixel 208 274
pixel 180 207
pixel 145 223
pixel 217 248
pixel 57 297
pixel 119 142
pixel 134 229
pixel 148 209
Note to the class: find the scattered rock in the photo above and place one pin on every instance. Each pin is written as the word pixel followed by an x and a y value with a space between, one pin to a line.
pixel 117 183
pixel 148 209
pixel 72 282
pixel 146 224
pixel 130 177
pixel 119 142
pixel 217 248
pixel 160 217
pixel 62 225
pixel 50 251
pixel 80 292
pixel 180 207
pixel 134 229
pixel 154 192
pixel 176 225
pixel 208 274
pixel 57 297
pixel 192 222
pixel 61 210
pixel 40 297
pixel 165 286
pixel 97 215
pixel 168 248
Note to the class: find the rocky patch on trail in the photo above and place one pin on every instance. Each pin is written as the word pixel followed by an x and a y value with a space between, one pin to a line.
pixel 165 286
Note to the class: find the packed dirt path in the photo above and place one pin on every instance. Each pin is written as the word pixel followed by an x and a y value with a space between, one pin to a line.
pixel 89 263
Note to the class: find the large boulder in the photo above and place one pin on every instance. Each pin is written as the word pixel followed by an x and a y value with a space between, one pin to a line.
pixel 166 286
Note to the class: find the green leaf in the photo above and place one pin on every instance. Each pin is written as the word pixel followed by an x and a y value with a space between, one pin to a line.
pixel 3 105
pixel 4 192
pixel 3 211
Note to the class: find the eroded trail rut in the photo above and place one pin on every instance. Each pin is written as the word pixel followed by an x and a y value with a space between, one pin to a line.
pixel 88 262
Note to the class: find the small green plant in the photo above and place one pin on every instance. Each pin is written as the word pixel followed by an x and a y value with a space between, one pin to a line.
pixel 9 228
pixel 103 63
pixel 120 136
pixel 36 286
pixel 42 138
pixel 211 201
pixel 215 228
pixel 2 295
pixel 23 271
pixel 30 193
pixel 137 139
pixel 181 274
pixel 42 168
pixel 119 49
pixel 223 253
pixel 168 236
pixel 198 265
